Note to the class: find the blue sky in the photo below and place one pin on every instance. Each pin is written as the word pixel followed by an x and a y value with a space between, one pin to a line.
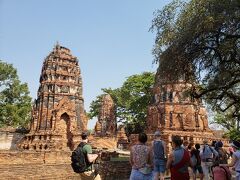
pixel 110 38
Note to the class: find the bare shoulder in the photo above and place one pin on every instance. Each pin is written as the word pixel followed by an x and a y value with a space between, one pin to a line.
pixel 171 155
pixel 133 147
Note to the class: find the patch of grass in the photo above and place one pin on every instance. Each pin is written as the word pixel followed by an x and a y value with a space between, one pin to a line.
pixel 119 159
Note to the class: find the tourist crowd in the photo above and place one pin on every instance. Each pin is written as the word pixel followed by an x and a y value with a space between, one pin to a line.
pixel 186 159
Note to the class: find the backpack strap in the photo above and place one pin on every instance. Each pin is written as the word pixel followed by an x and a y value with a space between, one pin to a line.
pixel 226 173
pixel 175 168
pixel 208 147
pixel 222 167
pixel 82 144
pixel 211 149
pixel 182 162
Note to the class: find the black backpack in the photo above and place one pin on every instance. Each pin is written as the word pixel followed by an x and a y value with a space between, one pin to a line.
pixel 79 159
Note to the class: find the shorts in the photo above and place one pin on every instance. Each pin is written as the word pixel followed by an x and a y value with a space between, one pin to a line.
pixel 197 168
pixel 159 165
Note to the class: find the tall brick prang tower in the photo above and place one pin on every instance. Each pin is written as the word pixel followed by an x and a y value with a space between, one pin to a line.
pixel 58 115
pixel 175 112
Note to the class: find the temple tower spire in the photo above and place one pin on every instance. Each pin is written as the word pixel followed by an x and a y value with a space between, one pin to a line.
pixel 58 113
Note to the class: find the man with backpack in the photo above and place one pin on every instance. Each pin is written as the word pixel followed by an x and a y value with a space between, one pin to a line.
pixel 208 156
pixel 222 153
pixel 220 172
pixel 82 160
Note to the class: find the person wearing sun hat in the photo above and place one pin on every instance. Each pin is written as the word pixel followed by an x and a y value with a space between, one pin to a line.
pixel 235 163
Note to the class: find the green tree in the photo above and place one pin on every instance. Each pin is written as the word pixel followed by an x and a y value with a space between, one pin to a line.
pixel 229 122
pixel 95 107
pixel 15 102
pixel 200 41
pixel 131 101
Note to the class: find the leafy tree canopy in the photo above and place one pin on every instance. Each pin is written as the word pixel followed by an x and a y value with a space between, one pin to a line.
pixel 15 102
pixel 200 39
pixel 228 122
pixel 131 101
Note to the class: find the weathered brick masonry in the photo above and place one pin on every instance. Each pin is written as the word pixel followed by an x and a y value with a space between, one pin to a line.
pixel 56 165
pixel 58 115
pixel 58 118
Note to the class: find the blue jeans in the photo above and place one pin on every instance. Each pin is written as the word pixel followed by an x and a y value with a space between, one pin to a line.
pixel 137 175
pixel 159 165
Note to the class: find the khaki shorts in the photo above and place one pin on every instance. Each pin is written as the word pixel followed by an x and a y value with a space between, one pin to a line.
pixel 89 175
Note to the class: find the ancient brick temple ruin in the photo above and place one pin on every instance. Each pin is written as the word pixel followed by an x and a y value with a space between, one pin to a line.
pixel 107 123
pixel 175 112
pixel 106 126
pixel 58 119
pixel 58 115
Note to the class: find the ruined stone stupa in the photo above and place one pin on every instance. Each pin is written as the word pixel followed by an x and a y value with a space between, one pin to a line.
pixel 106 124
pixel 174 112
pixel 58 115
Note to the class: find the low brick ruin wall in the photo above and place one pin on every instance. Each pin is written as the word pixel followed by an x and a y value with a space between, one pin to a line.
pixel 36 165
pixel 31 157
pixel 115 170
pixel 55 165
